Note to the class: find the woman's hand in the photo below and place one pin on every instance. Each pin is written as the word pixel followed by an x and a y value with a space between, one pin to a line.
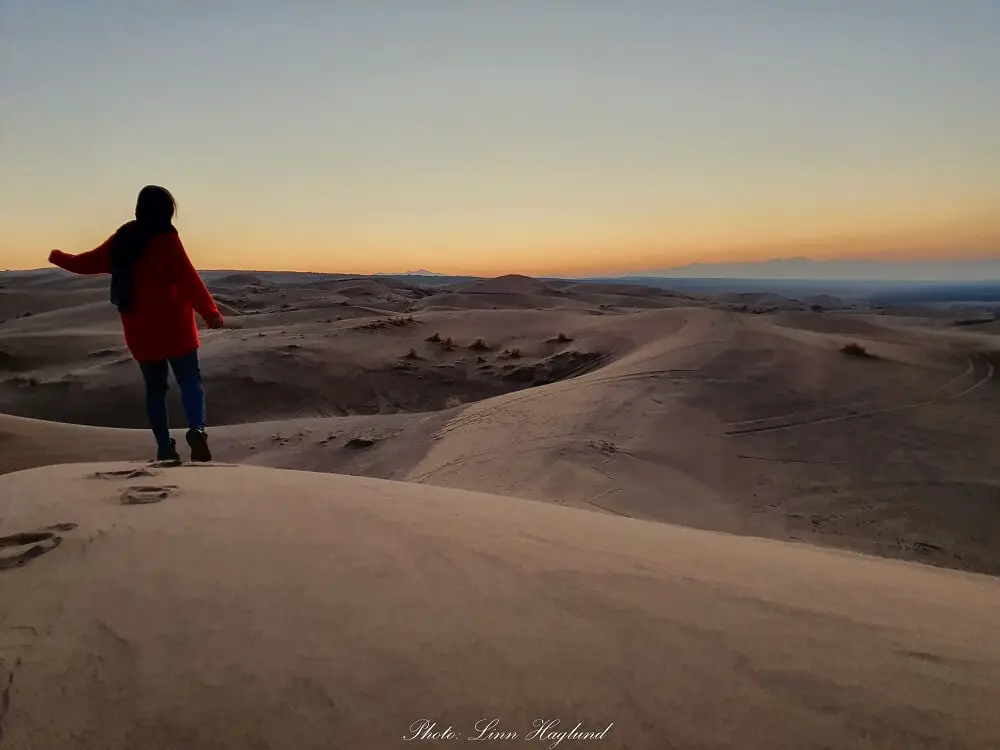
pixel 215 321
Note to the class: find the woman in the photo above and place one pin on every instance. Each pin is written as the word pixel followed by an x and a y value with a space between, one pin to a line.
pixel 157 290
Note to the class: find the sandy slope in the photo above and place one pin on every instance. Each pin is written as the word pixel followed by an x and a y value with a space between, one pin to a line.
pixel 237 607
pixel 242 607
pixel 744 423
pixel 647 405
pixel 27 443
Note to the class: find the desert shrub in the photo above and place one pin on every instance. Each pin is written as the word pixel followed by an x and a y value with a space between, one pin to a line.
pixel 434 337
pixel 511 354
pixel 448 345
pixel 412 354
pixel 398 321
pixel 604 446
pixel 856 350
pixel 21 380
pixel 479 345
pixel 363 441
pixel 972 321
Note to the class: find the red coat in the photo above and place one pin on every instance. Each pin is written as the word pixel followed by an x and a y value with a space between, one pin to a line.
pixel 167 292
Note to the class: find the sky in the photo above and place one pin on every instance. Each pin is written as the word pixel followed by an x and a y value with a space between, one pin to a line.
pixel 545 137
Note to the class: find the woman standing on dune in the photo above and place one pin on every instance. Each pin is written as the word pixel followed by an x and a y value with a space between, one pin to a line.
pixel 157 290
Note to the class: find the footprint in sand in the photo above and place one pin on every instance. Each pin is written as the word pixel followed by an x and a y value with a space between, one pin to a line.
pixel 124 474
pixel 147 495
pixel 17 550
pixel 148 471
pixel 61 527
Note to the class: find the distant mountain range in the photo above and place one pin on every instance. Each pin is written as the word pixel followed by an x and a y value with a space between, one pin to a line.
pixel 420 272
pixel 881 284
pixel 776 269
pixel 847 270
pixel 807 269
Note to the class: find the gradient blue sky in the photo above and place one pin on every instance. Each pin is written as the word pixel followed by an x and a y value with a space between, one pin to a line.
pixel 494 136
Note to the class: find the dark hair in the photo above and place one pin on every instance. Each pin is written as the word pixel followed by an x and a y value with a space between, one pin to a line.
pixel 154 210
pixel 155 206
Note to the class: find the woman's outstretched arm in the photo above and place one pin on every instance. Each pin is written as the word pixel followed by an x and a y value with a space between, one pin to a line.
pixel 94 261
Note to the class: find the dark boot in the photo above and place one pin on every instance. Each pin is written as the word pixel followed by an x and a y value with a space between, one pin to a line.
pixel 168 452
pixel 198 442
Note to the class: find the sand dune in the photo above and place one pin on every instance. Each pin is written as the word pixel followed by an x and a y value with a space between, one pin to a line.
pixel 252 606
pixel 991 327
pixel 227 607
pixel 28 443
pixel 523 293
pixel 669 409
pixel 241 280
pixel 509 284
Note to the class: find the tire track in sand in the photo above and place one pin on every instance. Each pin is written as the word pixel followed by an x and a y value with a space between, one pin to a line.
pixel 969 370
pixel 758 428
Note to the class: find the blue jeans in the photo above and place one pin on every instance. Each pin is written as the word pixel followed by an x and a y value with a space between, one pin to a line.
pixel 187 372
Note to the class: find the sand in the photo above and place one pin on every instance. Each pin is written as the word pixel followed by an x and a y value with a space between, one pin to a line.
pixel 617 398
pixel 508 501
pixel 236 607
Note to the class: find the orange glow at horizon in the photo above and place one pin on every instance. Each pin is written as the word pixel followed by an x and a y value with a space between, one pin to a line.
pixel 489 255
pixel 493 255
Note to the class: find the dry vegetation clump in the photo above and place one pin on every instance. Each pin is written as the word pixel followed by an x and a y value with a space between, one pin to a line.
pixel 23 380
pixel 361 441
pixel 400 321
pixel 856 350
pixel 445 344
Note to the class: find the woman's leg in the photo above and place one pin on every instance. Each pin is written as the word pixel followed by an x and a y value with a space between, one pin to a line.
pixel 155 376
pixel 188 373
